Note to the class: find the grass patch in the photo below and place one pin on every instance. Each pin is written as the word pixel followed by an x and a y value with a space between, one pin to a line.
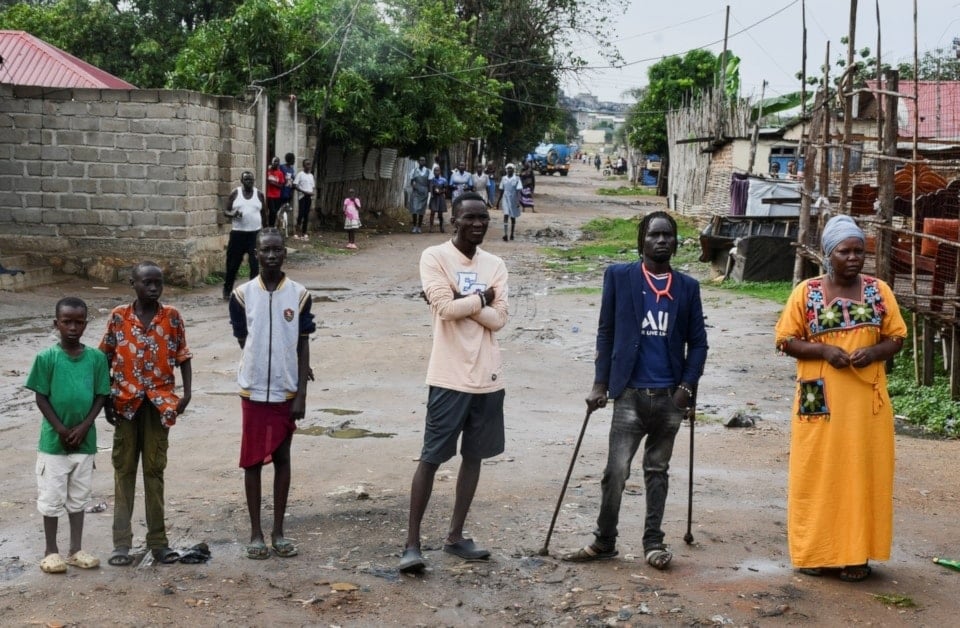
pixel 627 190
pixel 776 291
pixel 611 240
pixel 892 599
pixel 578 290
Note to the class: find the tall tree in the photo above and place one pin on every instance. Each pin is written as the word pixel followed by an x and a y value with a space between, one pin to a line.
pixel 530 45
pixel 672 82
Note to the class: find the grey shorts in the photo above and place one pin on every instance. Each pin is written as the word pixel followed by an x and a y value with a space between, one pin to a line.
pixel 479 417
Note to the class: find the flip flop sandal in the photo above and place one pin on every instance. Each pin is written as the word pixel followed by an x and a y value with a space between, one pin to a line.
pixel 284 548
pixel 53 563
pixel 120 557
pixel 199 553
pixel 658 557
pixel 467 550
pixel 590 553
pixel 165 555
pixel 411 561
pixel 855 573
pixel 257 551
pixel 83 560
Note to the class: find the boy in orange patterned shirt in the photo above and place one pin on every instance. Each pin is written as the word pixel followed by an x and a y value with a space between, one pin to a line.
pixel 143 343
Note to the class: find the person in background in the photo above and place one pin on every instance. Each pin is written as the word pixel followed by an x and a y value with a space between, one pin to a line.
pixel 774 169
pixel 289 169
pixel 419 194
pixel 351 217
pixel 491 172
pixel 247 211
pixel 841 327
pixel 529 182
pixel 71 382
pixel 460 181
pixel 438 197
pixel 508 199
pixel 792 173
pixel 276 180
pixel 481 182
pixel 306 185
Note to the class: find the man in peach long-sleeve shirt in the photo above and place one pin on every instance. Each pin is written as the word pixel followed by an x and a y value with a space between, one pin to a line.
pixel 466 288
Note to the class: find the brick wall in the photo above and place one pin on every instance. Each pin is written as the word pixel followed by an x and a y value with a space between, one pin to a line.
pixel 92 181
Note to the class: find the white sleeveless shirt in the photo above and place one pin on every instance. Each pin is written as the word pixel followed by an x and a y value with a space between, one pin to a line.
pixel 249 208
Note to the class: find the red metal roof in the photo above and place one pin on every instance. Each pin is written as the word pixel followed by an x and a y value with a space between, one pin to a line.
pixel 939 108
pixel 28 60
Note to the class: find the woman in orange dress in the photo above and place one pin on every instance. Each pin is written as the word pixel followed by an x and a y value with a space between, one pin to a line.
pixel 841 327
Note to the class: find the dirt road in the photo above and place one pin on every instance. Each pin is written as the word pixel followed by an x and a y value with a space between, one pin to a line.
pixel 348 503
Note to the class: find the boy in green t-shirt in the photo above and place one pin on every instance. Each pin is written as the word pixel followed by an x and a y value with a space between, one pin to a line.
pixel 72 382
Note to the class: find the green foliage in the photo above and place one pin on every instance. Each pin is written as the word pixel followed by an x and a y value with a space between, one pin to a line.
pixel 672 82
pixel 929 407
pixel 611 240
pixel 894 599
pixel 625 190
pixel 136 41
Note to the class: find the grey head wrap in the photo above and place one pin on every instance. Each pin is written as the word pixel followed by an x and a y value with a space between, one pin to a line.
pixel 838 229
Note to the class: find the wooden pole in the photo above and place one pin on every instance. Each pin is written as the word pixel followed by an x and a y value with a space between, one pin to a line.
pixel 846 85
pixel 879 86
pixel 885 173
pixel 723 75
pixel 755 137
pixel 810 171
pixel 824 179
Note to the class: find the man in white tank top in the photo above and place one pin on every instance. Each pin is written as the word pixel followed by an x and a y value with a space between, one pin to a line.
pixel 248 210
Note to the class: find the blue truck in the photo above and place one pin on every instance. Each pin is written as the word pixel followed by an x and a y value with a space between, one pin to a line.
pixel 550 158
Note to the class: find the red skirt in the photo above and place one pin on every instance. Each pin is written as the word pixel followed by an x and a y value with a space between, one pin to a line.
pixel 265 427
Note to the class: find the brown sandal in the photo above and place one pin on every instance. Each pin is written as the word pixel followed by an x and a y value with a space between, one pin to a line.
pixel 590 553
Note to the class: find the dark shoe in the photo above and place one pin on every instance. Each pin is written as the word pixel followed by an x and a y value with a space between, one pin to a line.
pixel 467 550
pixel 411 561
pixel 658 557
pixel 813 572
pixel 855 573
pixel 120 557
pixel 504 238
pixel 589 554
pixel 165 555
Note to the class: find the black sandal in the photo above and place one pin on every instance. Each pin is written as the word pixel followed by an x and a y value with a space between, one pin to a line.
pixel 855 573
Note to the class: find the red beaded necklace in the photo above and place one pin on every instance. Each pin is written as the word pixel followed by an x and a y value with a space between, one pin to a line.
pixel 650 277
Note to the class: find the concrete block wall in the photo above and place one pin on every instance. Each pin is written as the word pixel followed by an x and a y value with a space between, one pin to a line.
pixel 93 181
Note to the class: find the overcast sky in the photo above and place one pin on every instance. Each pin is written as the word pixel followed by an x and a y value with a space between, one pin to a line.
pixel 766 35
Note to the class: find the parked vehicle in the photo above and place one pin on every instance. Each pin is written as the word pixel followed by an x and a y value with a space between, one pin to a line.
pixel 550 158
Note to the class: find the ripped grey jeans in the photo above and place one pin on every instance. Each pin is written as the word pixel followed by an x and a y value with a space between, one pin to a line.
pixel 639 412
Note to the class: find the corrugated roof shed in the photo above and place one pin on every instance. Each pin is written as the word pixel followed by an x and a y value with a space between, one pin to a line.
pixel 28 60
